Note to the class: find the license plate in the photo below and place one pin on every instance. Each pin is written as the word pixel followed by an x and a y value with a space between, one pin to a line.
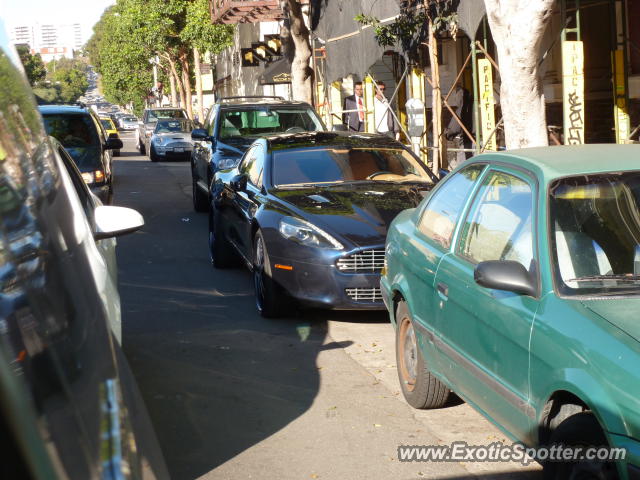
pixel 178 149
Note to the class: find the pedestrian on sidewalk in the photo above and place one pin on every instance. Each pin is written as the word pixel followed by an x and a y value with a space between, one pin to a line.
pixel 386 123
pixel 353 117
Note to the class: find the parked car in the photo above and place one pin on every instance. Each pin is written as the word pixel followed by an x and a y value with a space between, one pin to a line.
pixel 128 123
pixel 516 284
pixel 308 213
pixel 79 130
pixel 68 403
pixel 111 131
pixel 232 125
pixel 171 139
pixel 148 123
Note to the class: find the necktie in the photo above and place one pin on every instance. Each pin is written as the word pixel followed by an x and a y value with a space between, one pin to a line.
pixel 360 109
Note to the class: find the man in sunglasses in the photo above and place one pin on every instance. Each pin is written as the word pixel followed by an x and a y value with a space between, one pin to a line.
pixel 384 120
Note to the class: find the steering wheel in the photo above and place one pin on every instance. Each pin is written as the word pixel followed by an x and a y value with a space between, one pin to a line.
pixel 294 130
pixel 375 174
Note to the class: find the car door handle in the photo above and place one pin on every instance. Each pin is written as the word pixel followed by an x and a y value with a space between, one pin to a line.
pixel 443 290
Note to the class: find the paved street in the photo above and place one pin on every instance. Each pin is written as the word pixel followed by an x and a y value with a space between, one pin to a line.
pixel 235 396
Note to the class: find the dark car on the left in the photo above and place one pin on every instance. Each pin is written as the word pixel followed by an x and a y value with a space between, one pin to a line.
pixel 309 212
pixel 69 407
pixel 80 132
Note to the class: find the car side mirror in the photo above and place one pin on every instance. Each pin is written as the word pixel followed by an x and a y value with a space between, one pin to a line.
pixel 340 127
pixel 238 183
pixel 505 275
pixel 113 143
pixel 200 134
pixel 113 221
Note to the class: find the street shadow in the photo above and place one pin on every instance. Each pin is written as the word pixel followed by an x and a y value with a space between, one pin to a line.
pixel 217 378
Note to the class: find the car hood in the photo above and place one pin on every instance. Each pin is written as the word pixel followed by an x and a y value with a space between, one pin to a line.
pixel 619 311
pixel 360 213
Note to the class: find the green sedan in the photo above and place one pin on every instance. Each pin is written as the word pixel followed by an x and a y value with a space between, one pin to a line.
pixel 516 285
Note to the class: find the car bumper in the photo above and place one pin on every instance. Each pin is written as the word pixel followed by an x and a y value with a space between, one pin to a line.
pixel 323 285
pixel 172 152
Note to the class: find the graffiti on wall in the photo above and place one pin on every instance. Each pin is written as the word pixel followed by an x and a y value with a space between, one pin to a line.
pixel 573 92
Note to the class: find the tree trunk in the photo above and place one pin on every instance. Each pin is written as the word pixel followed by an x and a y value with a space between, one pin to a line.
pixel 196 65
pixel 174 93
pixel 186 81
pixel 177 79
pixel 517 27
pixel 297 31
pixel 436 105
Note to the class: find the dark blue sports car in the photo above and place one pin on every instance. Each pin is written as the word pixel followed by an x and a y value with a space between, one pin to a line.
pixel 308 213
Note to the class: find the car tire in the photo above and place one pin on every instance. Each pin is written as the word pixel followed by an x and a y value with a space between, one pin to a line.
pixel 140 147
pixel 579 430
pixel 116 153
pixel 200 199
pixel 421 389
pixel 153 156
pixel 269 295
pixel 221 252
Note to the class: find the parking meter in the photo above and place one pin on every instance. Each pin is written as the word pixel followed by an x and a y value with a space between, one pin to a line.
pixel 415 117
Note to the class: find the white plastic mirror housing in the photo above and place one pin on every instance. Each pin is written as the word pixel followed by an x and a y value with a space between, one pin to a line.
pixel 113 221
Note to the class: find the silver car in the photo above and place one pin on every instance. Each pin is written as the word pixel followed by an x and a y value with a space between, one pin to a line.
pixel 128 123
pixel 171 138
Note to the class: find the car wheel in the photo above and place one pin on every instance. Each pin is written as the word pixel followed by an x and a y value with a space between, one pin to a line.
pixel 116 153
pixel 580 430
pixel 268 294
pixel 109 198
pixel 140 147
pixel 153 156
pixel 200 199
pixel 421 389
pixel 220 250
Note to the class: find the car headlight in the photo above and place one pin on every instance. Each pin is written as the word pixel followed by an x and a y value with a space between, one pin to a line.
pixel 307 234
pixel 226 163
pixel 93 177
pixel 158 140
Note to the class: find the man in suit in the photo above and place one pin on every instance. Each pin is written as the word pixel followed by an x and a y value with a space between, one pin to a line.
pixel 385 121
pixel 354 120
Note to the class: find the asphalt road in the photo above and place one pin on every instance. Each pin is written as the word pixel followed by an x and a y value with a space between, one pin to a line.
pixel 235 396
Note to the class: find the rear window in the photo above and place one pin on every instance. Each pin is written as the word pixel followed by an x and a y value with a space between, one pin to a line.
pixel 78 135
pixel 107 124
pixel 257 122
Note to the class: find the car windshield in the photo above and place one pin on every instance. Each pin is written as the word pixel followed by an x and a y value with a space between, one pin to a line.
pixel 257 122
pixel 78 134
pixel 174 126
pixel 342 165
pixel 129 119
pixel 595 234
pixel 155 115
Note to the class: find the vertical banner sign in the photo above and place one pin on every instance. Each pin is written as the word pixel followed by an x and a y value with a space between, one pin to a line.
pixel 573 92
pixel 487 105
pixel 620 112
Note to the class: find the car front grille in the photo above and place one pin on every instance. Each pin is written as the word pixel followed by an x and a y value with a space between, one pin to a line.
pixel 365 261
pixel 364 294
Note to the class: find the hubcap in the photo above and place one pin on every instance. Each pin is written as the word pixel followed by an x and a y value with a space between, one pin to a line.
pixel 408 354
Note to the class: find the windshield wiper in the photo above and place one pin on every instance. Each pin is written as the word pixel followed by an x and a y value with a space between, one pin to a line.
pixel 620 276
pixel 309 185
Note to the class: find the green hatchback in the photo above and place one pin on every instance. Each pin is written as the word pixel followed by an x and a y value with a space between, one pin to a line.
pixel 516 284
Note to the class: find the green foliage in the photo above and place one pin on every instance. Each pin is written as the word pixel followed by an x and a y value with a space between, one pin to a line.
pixel 201 33
pixel 409 29
pixel 33 64
pixel 132 32
pixel 67 78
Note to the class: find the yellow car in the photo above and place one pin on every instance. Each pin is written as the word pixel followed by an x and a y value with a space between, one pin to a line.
pixel 111 130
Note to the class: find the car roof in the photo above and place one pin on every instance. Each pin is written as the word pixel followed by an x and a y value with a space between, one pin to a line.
pixel 287 141
pixel 44 109
pixel 234 103
pixel 568 160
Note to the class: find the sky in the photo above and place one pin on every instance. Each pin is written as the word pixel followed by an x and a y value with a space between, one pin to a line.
pixel 84 12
